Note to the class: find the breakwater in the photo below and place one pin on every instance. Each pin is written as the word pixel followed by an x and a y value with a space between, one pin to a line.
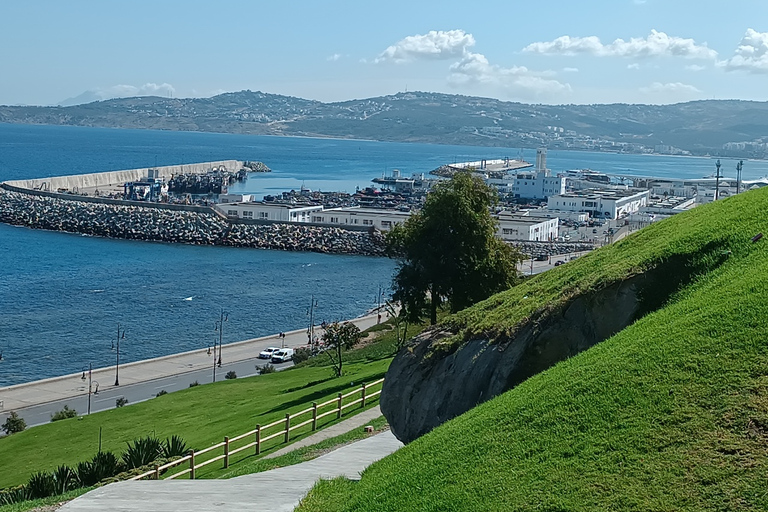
pixel 533 249
pixel 156 224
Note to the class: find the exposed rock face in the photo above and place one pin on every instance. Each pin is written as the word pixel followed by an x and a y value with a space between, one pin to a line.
pixel 424 389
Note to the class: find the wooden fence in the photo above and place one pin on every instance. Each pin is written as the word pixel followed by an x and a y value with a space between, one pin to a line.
pixel 261 434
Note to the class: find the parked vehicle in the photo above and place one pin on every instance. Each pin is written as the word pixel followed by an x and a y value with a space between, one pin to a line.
pixel 559 262
pixel 267 353
pixel 282 355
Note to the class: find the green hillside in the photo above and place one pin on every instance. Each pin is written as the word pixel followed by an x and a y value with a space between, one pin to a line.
pixel 670 414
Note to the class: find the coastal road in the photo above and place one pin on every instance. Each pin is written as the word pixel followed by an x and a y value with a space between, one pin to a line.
pixel 108 393
pixel 142 380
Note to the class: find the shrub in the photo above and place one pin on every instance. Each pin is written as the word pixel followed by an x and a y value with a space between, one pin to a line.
pixel 193 384
pixel 120 402
pixel 143 451
pixel 174 447
pixel 231 375
pixel 41 485
pixel 14 423
pixel 161 393
pixel 11 495
pixel 301 354
pixel 64 414
pixel 267 368
pixel 65 479
pixel 105 464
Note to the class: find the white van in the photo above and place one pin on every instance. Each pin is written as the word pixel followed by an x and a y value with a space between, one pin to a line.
pixel 282 355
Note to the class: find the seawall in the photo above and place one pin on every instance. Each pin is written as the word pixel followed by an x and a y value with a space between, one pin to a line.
pixel 115 178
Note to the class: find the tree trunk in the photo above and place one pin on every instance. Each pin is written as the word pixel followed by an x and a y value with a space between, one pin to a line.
pixel 433 308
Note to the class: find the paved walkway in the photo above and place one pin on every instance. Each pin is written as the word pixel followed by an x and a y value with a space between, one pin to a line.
pixel 348 425
pixel 68 386
pixel 276 490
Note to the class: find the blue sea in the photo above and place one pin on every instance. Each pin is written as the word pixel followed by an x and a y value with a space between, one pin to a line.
pixel 62 295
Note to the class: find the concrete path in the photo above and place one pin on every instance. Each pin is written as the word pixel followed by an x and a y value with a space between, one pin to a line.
pixel 30 394
pixel 348 425
pixel 277 490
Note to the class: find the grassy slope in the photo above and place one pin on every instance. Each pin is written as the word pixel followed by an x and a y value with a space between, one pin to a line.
pixel 669 414
pixel 201 415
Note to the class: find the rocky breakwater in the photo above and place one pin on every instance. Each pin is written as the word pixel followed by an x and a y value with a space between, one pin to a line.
pixel 294 237
pixel 430 382
pixel 165 225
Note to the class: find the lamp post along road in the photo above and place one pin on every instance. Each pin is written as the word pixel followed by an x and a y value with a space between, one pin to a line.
pixel 311 313
pixel 120 335
pixel 224 316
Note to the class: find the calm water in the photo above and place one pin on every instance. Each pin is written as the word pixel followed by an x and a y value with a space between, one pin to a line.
pixel 62 295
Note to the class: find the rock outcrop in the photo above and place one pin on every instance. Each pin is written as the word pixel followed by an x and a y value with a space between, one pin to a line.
pixel 424 387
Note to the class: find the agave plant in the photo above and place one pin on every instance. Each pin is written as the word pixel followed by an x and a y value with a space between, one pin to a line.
pixel 174 447
pixel 86 474
pixel 41 485
pixel 12 495
pixel 143 451
pixel 104 465
pixel 65 479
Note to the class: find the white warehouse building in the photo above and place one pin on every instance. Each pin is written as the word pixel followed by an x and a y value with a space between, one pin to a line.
pixel 536 184
pixel 513 226
pixel 601 204
pixel 260 210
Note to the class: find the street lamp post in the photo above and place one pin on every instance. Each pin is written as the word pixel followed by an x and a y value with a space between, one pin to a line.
pixel 120 336
pixel 224 316
pixel 311 313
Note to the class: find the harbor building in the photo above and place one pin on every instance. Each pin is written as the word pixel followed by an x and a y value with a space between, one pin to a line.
pixel 355 216
pixel 535 184
pixel 517 227
pixel 261 210
pixel 601 204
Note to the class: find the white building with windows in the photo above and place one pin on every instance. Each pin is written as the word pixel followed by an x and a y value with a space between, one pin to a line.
pixel 601 204
pixel 536 184
pixel 514 226
pixel 260 210
pixel 355 216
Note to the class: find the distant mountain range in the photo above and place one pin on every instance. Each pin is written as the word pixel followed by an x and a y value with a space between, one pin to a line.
pixel 714 127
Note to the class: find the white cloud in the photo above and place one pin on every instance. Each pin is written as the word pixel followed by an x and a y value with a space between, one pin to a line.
pixel 656 44
pixel 570 70
pixel 126 91
pixel 658 92
pixel 434 45
pixel 695 67
pixel 634 65
pixel 751 54
pixel 334 57
pixel 519 81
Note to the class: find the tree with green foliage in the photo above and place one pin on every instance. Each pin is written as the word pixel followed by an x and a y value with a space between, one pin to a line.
pixel 14 423
pixel 337 338
pixel 449 251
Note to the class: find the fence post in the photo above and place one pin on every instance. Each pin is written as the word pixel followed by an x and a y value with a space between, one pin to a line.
pixel 338 411
pixel 287 427
pixel 258 439
pixel 157 472
pixel 226 452
pixel 191 464
pixel 314 416
pixel 362 403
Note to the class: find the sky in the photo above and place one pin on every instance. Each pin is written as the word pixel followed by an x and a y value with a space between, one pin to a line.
pixel 556 51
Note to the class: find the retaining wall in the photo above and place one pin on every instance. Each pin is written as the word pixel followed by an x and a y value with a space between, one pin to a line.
pixel 115 178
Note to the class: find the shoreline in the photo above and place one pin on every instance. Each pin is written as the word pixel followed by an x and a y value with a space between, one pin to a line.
pixel 20 396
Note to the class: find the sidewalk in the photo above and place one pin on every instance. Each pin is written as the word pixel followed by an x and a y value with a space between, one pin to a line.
pixel 278 490
pixel 19 396
pixel 348 425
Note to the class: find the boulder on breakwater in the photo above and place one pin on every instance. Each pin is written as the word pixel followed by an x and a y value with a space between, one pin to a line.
pixel 190 227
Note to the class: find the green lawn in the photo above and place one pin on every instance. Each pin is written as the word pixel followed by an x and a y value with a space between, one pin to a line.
pixel 670 414
pixel 202 415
